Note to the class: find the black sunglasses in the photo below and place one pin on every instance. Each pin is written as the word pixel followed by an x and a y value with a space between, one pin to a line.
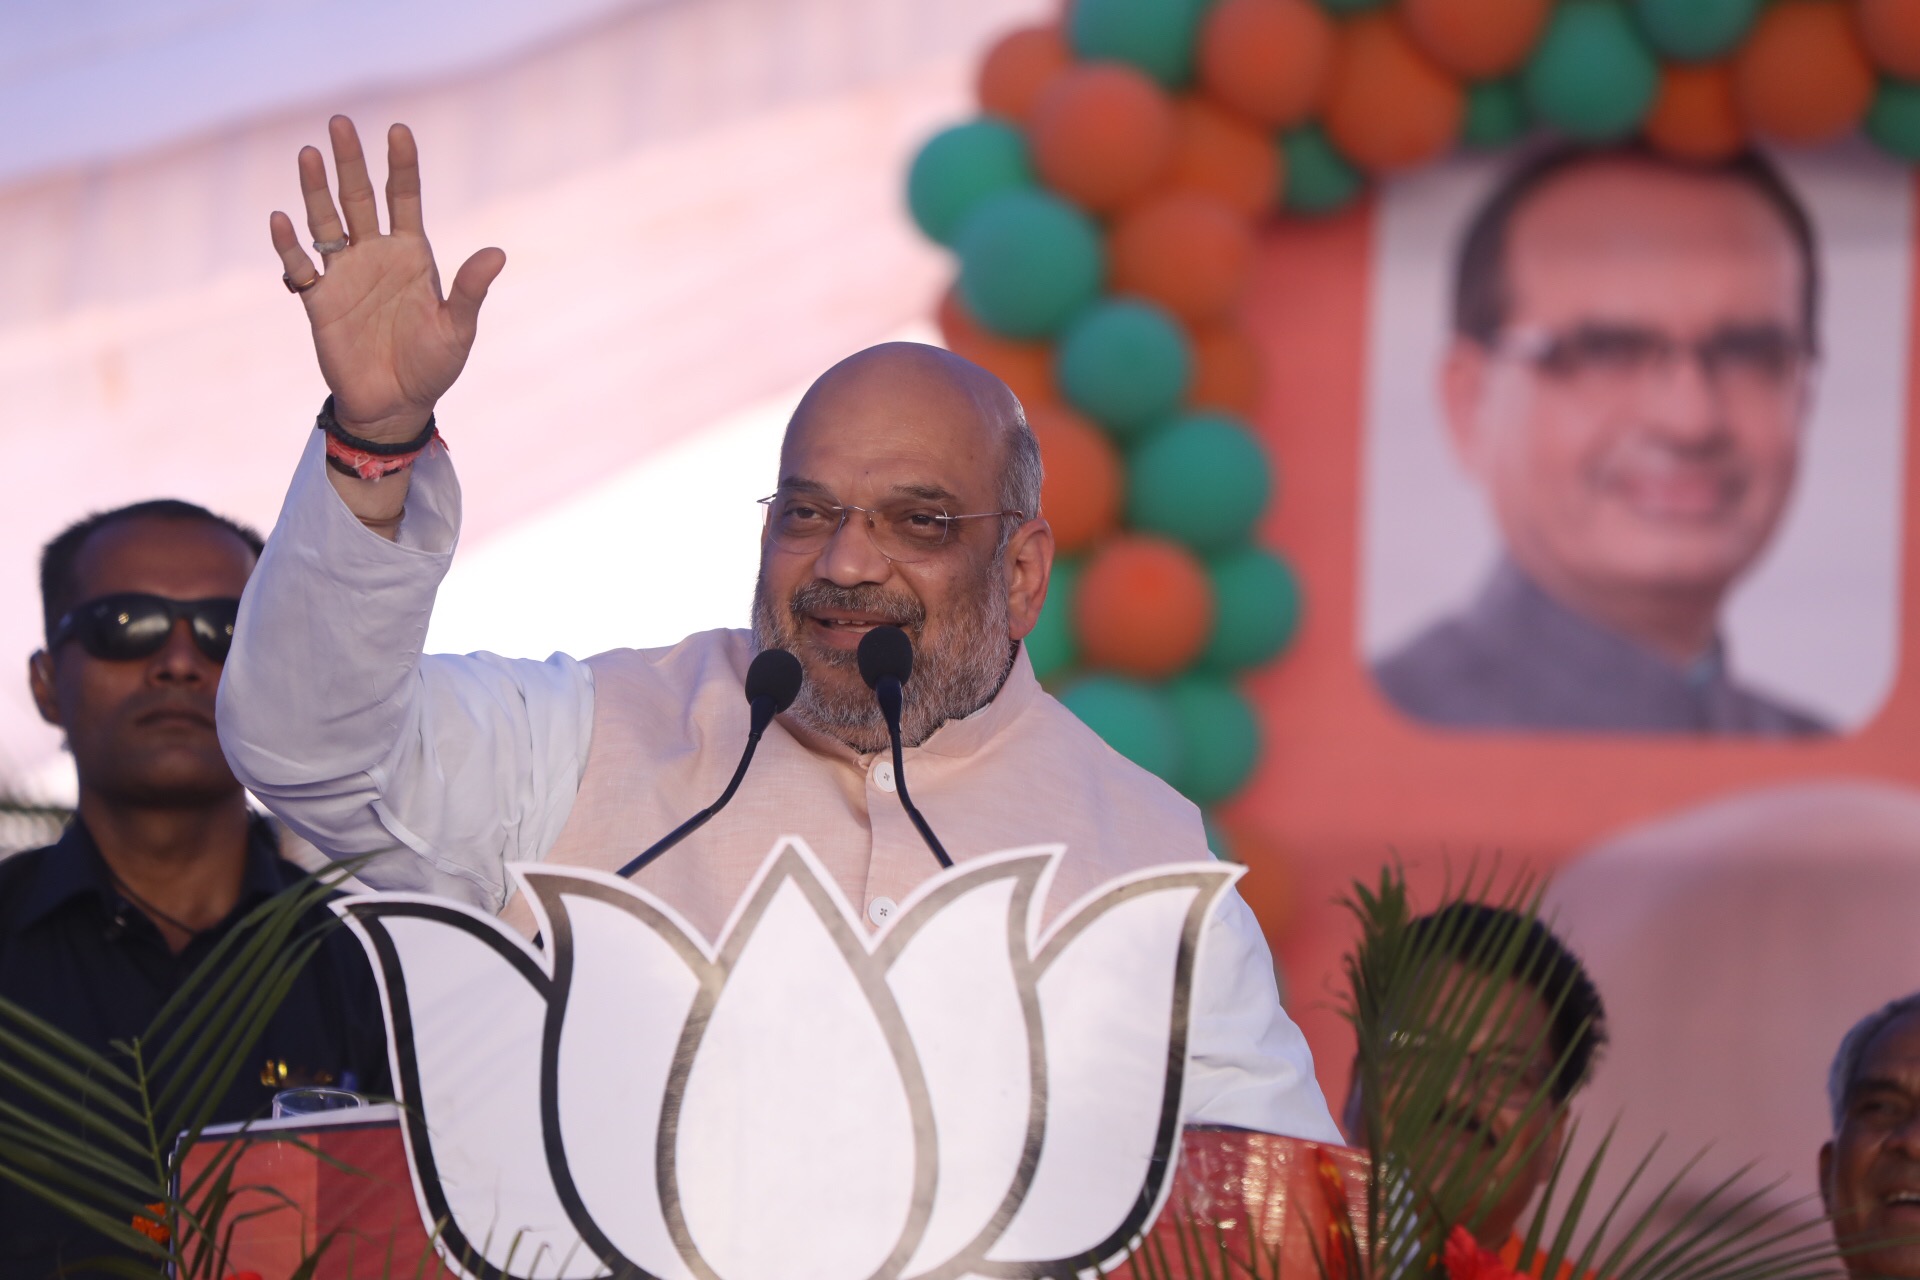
pixel 120 628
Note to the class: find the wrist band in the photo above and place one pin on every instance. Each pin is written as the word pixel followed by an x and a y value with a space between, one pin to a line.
pixel 372 459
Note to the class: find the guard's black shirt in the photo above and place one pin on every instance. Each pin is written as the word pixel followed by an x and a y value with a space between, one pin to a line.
pixel 75 952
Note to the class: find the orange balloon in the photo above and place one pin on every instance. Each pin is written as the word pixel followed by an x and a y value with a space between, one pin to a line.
pixel 1803 76
pixel 1081 495
pixel 1026 367
pixel 1017 69
pixel 1144 607
pixel 1268 59
pixel 1476 39
pixel 1389 106
pixel 1219 154
pixel 1226 370
pixel 1102 134
pixel 1268 886
pixel 1188 252
pixel 1696 116
pixel 1891 30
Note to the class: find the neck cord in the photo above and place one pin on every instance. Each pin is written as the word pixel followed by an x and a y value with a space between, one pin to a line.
pixel 126 891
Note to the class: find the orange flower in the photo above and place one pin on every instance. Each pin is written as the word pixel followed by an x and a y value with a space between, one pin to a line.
pixel 1468 1259
pixel 151 1222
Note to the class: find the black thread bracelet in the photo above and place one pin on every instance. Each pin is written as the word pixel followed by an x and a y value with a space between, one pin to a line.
pixel 331 425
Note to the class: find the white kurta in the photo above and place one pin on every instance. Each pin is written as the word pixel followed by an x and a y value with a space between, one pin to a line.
pixel 450 767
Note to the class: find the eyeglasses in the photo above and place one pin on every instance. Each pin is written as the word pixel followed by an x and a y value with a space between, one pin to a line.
pixel 1738 359
pixel 120 628
pixel 904 530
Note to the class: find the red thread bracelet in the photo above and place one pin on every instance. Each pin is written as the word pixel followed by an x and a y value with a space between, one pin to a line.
pixel 372 459
pixel 374 466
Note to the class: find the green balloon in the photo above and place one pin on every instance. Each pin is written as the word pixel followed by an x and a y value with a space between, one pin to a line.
pixel 1133 718
pixel 1125 364
pixel 1202 481
pixel 1029 263
pixel 1157 36
pixel 1893 121
pixel 1590 76
pixel 1496 114
pixel 1318 178
pixel 960 167
pixel 1256 609
pixel 1050 645
pixel 1222 736
pixel 1695 30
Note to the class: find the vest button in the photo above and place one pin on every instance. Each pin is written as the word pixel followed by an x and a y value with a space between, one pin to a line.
pixel 881 910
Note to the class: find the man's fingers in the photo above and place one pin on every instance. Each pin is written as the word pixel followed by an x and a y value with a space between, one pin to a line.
pixel 356 188
pixel 322 220
pixel 294 261
pixel 403 181
pixel 470 285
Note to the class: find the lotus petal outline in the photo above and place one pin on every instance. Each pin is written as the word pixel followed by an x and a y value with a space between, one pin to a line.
pixel 961 1094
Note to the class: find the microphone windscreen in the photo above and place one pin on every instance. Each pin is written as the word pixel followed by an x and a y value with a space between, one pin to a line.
pixel 883 652
pixel 774 674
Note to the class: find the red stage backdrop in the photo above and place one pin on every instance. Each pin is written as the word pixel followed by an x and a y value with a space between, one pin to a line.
pixel 1599 568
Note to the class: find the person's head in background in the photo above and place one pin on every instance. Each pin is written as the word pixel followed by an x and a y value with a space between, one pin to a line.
pixel 139 605
pixel 1630 369
pixel 1542 1027
pixel 1870 1168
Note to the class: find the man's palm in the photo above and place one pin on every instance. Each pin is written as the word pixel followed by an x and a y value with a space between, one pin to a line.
pixel 386 343
pixel 389 345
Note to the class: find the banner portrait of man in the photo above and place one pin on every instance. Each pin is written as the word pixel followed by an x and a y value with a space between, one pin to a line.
pixel 1623 504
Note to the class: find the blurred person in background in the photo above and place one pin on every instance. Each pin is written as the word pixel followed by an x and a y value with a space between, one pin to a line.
pixel 163 857
pixel 1628 380
pixel 1870 1168
pixel 1530 1038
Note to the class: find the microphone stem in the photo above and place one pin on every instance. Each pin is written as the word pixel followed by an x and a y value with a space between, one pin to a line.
pixel 699 819
pixel 889 694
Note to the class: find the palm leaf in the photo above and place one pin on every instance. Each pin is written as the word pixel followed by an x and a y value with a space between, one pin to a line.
pixel 1416 1022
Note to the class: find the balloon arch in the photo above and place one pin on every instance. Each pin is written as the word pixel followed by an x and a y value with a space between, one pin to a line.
pixel 1104 207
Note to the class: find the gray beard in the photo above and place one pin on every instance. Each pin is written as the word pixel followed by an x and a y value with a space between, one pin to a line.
pixel 951 679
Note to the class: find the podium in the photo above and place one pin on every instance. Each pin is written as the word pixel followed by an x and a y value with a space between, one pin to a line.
pixel 1240 1201
pixel 339 1177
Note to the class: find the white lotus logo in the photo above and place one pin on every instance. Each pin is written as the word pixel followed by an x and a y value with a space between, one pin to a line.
pixel 958 1095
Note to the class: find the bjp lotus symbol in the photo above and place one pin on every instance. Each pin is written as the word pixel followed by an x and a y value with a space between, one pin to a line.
pixel 962 1094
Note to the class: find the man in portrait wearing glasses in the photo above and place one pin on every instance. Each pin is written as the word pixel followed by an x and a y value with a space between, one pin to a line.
pixel 162 858
pixel 1627 383
pixel 907 492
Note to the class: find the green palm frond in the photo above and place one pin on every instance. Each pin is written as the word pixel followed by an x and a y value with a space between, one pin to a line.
pixel 1422 1030
pixel 1425 1003
pixel 97 1136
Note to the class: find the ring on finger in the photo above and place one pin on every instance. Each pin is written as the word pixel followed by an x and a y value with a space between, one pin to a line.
pixel 330 246
pixel 287 280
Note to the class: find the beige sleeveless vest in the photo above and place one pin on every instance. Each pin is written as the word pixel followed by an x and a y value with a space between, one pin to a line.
pixel 668 727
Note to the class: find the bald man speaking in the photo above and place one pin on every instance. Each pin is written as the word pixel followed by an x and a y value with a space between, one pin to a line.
pixel 907 492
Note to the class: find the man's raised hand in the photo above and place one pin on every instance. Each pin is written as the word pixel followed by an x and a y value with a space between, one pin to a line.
pixel 389 344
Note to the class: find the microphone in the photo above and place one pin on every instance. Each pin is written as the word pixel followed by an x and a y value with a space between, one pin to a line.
pixel 886 663
pixel 773 682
